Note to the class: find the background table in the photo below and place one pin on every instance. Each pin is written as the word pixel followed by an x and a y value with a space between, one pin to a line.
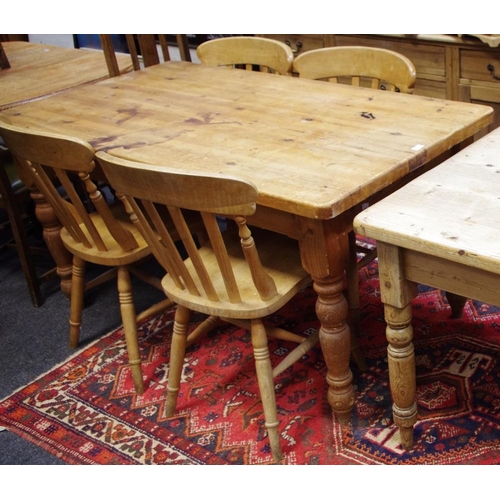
pixel 441 230
pixel 315 151
pixel 39 70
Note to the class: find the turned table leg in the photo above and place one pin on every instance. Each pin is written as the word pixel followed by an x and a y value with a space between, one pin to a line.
pixel 335 340
pixel 397 294
pixel 402 376
pixel 51 234
pixel 324 253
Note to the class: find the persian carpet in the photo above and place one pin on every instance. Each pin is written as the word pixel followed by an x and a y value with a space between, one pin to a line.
pixel 85 411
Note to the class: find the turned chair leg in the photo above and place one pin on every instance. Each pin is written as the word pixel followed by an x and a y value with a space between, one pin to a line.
pixel 77 293
pixel 266 386
pixel 353 301
pixel 177 354
pixel 129 320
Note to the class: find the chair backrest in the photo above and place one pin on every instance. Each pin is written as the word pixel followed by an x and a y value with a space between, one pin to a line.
pixel 145 50
pixel 60 167
pixel 4 62
pixel 149 188
pixel 247 52
pixel 377 68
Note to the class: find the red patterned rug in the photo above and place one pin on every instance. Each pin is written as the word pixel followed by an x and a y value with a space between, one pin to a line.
pixel 85 411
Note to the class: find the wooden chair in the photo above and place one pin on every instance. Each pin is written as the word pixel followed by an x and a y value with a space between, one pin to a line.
pixel 4 62
pixel 358 66
pixel 104 236
pixel 247 52
pixel 143 50
pixel 225 276
pixel 373 67
pixel 441 230
pixel 16 201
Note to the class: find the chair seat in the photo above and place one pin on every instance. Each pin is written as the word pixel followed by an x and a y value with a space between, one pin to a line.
pixel 114 255
pixel 286 271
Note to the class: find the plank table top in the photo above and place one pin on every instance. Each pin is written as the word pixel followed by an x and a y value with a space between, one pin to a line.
pixel 312 149
pixel 39 70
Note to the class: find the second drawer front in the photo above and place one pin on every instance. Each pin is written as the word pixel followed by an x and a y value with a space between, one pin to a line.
pixel 479 65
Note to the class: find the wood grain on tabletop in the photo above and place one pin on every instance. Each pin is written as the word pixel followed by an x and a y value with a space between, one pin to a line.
pixel 331 145
pixel 450 211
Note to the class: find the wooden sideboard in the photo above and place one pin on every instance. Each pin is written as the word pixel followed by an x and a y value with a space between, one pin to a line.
pixel 457 67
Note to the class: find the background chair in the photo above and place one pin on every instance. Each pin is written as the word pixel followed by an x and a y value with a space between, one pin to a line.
pixel 16 201
pixel 224 274
pixel 145 50
pixel 4 62
pixel 60 167
pixel 247 52
pixel 376 68
pixel 359 66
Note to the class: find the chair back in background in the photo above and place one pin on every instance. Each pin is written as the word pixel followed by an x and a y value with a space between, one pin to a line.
pixel 247 52
pixel 145 50
pixel 380 68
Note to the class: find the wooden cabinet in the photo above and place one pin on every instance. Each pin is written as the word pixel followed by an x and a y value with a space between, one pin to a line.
pixel 302 43
pixel 448 66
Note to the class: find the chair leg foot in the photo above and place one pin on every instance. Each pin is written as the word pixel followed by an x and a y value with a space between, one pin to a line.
pixel 130 327
pixel 74 334
pixel 136 369
pixel 76 304
pixel 266 386
pixel 177 354
pixel 171 402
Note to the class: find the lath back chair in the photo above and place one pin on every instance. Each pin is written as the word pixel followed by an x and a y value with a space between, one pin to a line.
pixel 380 68
pixel 144 50
pixel 16 201
pixel 358 66
pixel 224 275
pixel 58 166
pixel 247 52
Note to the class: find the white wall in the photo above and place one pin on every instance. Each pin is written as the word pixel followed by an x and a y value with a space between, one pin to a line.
pixel 61 40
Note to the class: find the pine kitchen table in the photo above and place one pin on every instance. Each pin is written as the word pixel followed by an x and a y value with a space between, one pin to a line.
pixel 443 233
pixel 38 71
pixel 316 151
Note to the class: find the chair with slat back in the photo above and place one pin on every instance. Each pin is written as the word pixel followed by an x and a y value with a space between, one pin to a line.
pixel 103 235
pixel 247 52
pixel 376 68
pixel 145 50
pixel 358 66
pixel 15 199
pixel 224 274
